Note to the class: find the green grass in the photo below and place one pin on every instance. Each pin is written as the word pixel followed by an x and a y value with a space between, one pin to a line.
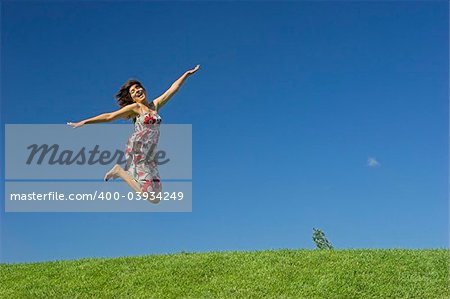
pixel 393 273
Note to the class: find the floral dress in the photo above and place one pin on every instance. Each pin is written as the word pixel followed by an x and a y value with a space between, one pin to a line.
pixel 140 152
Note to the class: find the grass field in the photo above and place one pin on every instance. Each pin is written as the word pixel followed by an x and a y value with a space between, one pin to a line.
pixel 379 273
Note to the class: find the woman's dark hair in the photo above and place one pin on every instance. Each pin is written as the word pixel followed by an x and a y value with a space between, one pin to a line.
pixel 123 96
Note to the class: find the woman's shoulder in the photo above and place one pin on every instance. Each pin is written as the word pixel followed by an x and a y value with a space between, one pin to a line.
pixel 152 105
pixel 133 107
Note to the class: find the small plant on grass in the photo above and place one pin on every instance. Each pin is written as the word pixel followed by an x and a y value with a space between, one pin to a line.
pixel 320 239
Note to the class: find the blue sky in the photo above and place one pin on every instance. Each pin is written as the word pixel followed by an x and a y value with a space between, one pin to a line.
pixel 291 102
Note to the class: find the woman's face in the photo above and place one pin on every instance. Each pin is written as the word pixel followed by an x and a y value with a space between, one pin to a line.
pixel 137 93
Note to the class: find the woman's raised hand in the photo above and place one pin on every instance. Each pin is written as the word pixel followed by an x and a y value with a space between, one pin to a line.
pixel 190 72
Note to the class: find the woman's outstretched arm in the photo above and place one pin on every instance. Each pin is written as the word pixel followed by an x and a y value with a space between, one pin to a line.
pixel 124 112
pixel 162 99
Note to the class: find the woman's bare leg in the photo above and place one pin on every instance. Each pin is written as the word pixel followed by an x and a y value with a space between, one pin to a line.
pixel 119 172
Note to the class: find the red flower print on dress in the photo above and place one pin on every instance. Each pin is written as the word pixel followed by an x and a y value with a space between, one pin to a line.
pixel 145 187
pixel 148 118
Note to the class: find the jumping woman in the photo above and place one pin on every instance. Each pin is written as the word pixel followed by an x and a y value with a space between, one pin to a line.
pixel 141 172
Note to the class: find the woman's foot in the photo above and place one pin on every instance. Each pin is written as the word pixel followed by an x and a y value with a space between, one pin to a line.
pixel 113 173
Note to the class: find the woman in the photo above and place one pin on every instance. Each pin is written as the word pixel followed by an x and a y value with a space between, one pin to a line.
pixel 141 172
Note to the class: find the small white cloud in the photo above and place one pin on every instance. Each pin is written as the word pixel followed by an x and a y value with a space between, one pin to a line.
pixel 372 162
